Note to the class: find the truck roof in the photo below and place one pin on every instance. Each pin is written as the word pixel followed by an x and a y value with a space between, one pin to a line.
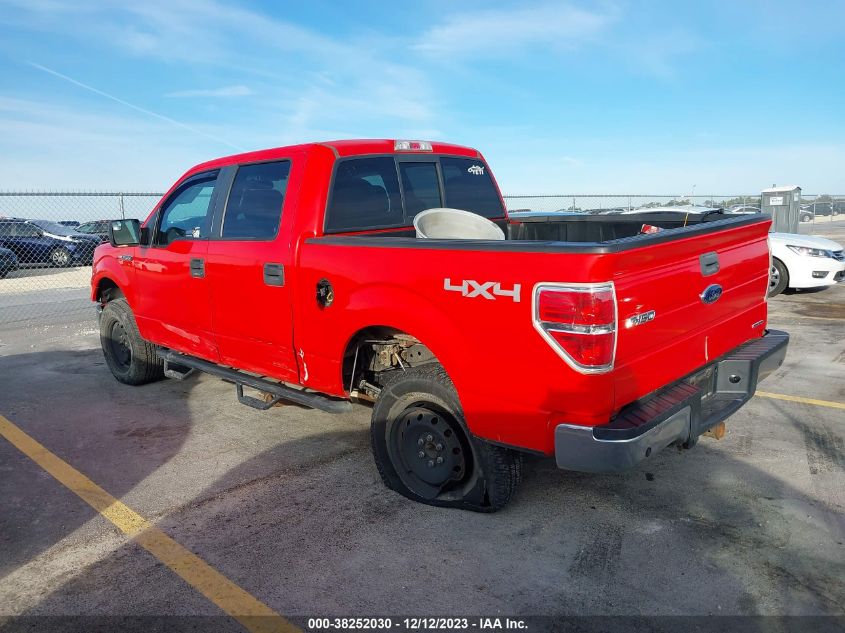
pixel 341 148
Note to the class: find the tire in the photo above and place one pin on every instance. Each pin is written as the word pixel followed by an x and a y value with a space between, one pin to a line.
pixel 60 257
pixel 424 451
pixel 778 278
pixel 131 359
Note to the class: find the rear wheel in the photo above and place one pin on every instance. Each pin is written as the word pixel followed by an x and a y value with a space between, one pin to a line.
pixel 423 450
pixel 131 359
pixel 778 278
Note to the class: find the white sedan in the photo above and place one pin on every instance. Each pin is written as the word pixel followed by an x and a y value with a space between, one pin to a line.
pixel 804 261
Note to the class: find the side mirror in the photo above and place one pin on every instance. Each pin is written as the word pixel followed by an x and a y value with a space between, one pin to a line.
pixel 124 232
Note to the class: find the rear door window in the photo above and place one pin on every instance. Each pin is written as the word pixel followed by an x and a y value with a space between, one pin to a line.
pixel 468 186
pixel 28 230
pixel 365 195
pixel 420 187
pixel 254 208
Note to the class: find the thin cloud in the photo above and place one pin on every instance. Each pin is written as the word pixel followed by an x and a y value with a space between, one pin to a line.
pixel 150 113
pixel 660 55
pixel 501 32
pixel 225 91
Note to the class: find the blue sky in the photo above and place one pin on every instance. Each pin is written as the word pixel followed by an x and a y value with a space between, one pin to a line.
pixel 603 97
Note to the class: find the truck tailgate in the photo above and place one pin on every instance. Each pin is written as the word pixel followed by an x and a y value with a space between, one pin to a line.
pixel 701 309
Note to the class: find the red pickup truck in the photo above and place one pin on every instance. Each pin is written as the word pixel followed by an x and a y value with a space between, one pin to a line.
pixel 296 272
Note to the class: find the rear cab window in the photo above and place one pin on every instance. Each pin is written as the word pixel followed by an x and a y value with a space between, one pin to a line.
pixel 365 194
pixel 468 186
pixel 384 192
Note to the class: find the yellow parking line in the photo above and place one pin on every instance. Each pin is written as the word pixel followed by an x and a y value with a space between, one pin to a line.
pixel 253 614
pixel 818 403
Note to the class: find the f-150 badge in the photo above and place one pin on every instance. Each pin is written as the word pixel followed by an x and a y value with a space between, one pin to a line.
pixel 638 319
pixel 486 289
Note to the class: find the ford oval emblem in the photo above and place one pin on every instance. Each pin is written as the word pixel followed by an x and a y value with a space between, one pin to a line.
pixel 711 293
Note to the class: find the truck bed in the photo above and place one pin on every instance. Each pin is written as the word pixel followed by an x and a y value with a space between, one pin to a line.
pixel 581 227
pixel 410 284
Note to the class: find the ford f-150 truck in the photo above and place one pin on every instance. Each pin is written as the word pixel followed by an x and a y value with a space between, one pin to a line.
pixel 296 272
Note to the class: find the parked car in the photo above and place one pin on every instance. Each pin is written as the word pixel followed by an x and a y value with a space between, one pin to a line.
pixel 296 271
pixel 821 208
pixel 805 214
pixel 685 209
pixel 742 209
pixel 100 228
pixel 45 242
pixel 804 261
pixel 8 262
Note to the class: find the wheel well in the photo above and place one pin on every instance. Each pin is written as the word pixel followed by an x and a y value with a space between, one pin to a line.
pixel 107 290
pixel 374 351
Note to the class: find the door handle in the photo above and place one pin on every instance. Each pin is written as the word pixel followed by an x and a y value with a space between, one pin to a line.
pixel 197 267
pixel 709 264
pixel 274 274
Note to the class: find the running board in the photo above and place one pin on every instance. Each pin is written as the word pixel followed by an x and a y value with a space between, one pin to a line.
pixel 241 380
pixel 175 371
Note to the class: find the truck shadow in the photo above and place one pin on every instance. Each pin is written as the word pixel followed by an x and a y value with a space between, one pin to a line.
pixel 308 527
pixel 116 435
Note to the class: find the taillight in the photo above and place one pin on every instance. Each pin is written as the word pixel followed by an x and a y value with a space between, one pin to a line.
pixel 579 322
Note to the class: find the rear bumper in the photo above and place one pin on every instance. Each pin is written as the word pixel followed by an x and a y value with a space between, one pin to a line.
pixel 677 414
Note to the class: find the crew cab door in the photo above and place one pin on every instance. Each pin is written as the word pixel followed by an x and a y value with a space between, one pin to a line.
pixel 250 261
pixel 172 307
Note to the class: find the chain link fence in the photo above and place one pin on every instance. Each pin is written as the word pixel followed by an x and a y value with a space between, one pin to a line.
pixel 815 208
pixel 47 239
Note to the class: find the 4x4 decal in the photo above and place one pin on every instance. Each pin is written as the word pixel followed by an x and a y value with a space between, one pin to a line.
pixel 487 289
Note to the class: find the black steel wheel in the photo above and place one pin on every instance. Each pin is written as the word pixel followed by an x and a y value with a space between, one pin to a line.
pixel 424 451
pixel 427 444
pixel 121 350
pixel 131 359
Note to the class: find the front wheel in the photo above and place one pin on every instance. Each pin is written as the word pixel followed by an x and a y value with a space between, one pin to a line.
pixel 423 450
pixel 778 278
pixel 131 359
pixel 60 257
